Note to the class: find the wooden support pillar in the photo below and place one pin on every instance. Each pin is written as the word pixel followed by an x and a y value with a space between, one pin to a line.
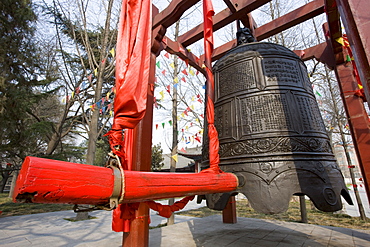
pixel 229 213
pixel 142 157
pixel 139 233
pixel 355 17
pixel 358 118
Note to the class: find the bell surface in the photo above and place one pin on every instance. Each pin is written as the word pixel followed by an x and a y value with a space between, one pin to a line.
pixel 271 132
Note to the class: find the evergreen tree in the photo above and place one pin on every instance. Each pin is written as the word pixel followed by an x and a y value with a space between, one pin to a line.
pixel 22 84
pixel 157 157
pixel 18 76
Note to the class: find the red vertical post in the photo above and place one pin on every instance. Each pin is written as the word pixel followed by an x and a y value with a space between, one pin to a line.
pixel 142 152
pixel 358 119
pixel 355 17
pixel 229 213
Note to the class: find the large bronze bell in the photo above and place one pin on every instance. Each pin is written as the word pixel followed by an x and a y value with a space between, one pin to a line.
pixel 271 132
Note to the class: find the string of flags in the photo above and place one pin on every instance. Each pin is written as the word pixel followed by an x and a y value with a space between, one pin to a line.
pixel 175 156
pixel 349 58
pixel 182 76
pixel 85 85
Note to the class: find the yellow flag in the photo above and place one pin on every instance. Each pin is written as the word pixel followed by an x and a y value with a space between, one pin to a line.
pixel 174 157
pixel 187 127
pixel 192 98
pixel 197 120
pixel 360 86
pixel 182 115
pixel 113 52
pixel 192 107
pixel 162 94
pixel 107 97
pixel 178 118
pixel 201 131
pixel 176 80
pixel 191 72
pixel 340 41
pixel 172 65
pixel 96 71
pixel 73 95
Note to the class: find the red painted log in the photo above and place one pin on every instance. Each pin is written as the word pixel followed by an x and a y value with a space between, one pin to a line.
pixel 52 181
pixel 141 186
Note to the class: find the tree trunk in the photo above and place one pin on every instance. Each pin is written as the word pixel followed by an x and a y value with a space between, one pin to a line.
pixel 171 201
pixel 93 137
pixel 12 186
pixel 3 182
pixel 302 206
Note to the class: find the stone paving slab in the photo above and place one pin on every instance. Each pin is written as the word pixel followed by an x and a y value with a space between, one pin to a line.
pixel 211 232
pixel 50 229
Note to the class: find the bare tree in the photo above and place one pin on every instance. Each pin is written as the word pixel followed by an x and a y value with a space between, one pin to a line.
pixel 86 67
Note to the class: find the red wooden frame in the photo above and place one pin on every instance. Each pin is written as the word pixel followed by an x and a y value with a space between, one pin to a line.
pixel 352 13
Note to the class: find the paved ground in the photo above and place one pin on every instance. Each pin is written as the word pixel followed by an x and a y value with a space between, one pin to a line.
pixel 50 229
pixel 353 210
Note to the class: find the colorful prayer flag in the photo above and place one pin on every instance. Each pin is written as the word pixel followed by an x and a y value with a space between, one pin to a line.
pixel 113 52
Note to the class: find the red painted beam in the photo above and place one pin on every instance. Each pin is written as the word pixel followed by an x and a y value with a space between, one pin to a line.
pixel 291 19
pixel 334 27
pixel 142 186
pixel 176 48
pixel 229 213
pixel 52 181
pixel 358 119
pixel 221 19
pixel 138 234
pixel 280 24
pixel 321 52
pixel 172 13
pixel 355 17
pixel 246 19
pixel 357 116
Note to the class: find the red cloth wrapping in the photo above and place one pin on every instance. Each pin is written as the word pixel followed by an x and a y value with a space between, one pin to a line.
pixel 132 77
pixel 167 210
pixel 132 63
pixel 214 158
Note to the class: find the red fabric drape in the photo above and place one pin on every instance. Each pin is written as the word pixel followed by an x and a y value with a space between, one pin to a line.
pixel 167 210
pixel 132 63
pixel 208 12
pixel 132 77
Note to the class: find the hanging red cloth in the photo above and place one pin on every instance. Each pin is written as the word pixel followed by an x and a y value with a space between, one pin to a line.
pixel 132 77
pixel 132 64
pixel 214 158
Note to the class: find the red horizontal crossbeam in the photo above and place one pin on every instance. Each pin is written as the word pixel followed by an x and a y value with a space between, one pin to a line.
pixel 172 13
pixel 52 181
pixel 221 19
pixel 280 24
pixel 176 48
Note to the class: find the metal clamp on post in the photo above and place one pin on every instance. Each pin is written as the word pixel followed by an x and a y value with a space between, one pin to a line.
pixel 118 187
